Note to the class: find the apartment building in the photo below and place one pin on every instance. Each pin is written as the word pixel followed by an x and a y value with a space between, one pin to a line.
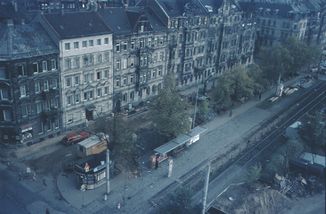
pixel 276 22
pixel 139 54
pixel 29 78
pixel 85 60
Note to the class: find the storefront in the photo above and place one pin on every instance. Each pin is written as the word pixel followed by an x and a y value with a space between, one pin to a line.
pixel 91 172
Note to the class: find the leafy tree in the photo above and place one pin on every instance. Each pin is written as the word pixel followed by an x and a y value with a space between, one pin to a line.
pixel 168 110
pixel 260 84
pixel 241 84
pixel 121 143
pixel 179 202
pixel 221 95
pixel 203 109
pixel 313 131
pixel 302 54
pixel 275 61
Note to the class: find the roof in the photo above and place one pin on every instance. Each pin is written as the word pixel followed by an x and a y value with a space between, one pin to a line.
pixel 77 24
pixel 214 4
pixel 197 131
pixel 89 142
pixel 314 158
pixel 117 19
pixel 254 7
pixel 24 40
pixel 176 8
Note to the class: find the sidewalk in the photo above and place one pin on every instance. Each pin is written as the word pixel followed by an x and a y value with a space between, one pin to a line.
pixel 135 194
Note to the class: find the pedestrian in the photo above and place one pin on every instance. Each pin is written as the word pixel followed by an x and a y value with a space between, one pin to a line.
pixel 47 211
pixel 230 114
pixel 259 96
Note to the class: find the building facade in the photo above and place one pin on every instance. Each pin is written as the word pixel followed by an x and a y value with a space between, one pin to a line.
pixel 85 61
pixel 29 77
pixel 139 55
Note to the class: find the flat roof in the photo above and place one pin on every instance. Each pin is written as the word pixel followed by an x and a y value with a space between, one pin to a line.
pixel 89 142
pixel 180 140
pixel 196 131
pixel 314 158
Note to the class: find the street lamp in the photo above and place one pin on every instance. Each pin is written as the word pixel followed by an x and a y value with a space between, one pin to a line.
pixel 194 117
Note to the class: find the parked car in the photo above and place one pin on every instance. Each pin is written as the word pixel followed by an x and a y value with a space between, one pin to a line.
pixel 75 137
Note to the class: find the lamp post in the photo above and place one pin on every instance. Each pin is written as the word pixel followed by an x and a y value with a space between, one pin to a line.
pixel 206 188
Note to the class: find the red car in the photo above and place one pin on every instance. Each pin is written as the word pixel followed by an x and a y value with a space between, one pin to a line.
pixel 75 137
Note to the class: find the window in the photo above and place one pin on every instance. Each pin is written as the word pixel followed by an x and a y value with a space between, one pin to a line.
pixel 24 110
pixel 76 78
pixel 6 114
pixel 53 64
pixel 124 46
pixel 132 95
pixel 67 46
pixel 88 95
pixel 125 82
pixel 22 89
pixel 67 64
pixel 4 94
pixel 132 62
pixel 117 63
pixel 38 107
pixel 54 83
pixel 107 56
pixel 124 63
pixel 69 100
pixel 124 97
pixel 77 98
pixel 70 118
pixel 88 77
pixel 99 58
pixel 106 41
pixel 106 73
pixel 132 45
pixel 56 124
pixel 131 79
pixel 99 92
pixel 21 70
pixel 99 41
pixel 106 90
pixel 117 83
pixel 76 45
pixel 76 62
pixel 117 47
pixel 98 75
pixel 68 81
pixel 85 61
pixel 46 85
pixel 91 43
pixel 35 67
pixel 84 44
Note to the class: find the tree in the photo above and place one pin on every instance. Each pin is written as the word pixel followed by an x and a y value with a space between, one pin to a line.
pixel 275 61
pixel 221 95
pixel 313 130
pixel 179 202
pixel 302 54
pixel 260 84
pixel 168 110
pixel 241 85
pixel 121 142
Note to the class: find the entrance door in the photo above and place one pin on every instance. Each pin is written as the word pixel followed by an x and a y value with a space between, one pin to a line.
pixel 89 114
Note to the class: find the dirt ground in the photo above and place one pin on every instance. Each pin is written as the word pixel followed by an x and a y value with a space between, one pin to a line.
pixel 309 205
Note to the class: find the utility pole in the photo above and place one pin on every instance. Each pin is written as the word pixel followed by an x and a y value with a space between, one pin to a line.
pixel 206 188
pixel 107 171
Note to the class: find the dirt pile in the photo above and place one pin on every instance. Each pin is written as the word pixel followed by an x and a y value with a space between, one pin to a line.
pixel 265 201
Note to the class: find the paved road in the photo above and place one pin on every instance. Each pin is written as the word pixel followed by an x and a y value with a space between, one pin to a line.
pixel 14 198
